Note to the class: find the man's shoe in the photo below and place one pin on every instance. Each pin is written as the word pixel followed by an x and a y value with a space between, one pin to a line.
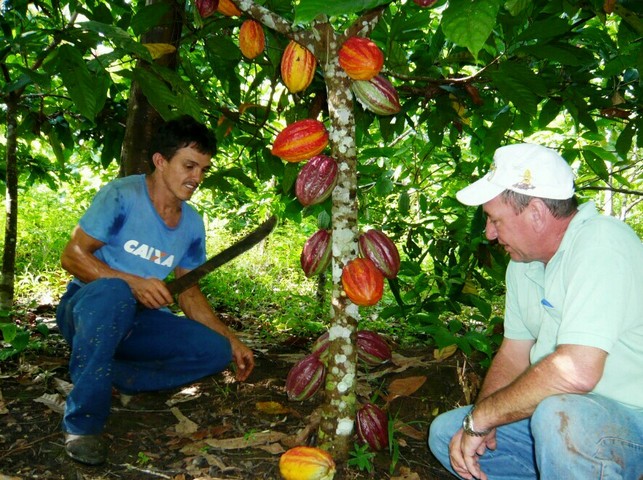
pixel 87 449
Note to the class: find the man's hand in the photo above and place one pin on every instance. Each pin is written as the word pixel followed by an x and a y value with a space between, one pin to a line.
pixel 151 292
pixel 464 451
pixel 243 358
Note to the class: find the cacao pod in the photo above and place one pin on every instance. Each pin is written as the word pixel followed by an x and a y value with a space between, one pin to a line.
pixel 424 3
pixel 297 67
pixel 316 180
pixel 206 7
pixel 229 9
pixel 252 40
pixel 360 58
pixel 363 282
pixel 377 95
pixel 372 426
pixel 306 463
pixel 300 140
pixel 305 378
pixel 372 348
pixel 381 250
pixel 316 254
pixel 320 346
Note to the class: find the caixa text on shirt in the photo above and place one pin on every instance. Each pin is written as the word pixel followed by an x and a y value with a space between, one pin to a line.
pixel 148 253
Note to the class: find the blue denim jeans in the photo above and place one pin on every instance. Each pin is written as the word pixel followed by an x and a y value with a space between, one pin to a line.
pixel 116 342
pixel 568 437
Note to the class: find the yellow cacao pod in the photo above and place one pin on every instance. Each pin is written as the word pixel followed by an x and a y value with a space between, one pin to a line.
pixel 307 463
pixel 252 40
pixel 297 67
pixel 229 9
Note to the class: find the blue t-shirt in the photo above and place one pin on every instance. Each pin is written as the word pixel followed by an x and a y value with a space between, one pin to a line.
pixel 137 240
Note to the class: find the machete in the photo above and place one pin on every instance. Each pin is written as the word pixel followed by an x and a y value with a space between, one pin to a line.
pixel 191 278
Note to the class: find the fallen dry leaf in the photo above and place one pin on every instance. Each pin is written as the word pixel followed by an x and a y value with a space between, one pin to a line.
pixel 409 431
pixel 403 387
pixel 53 401
pixel 441 354
pixel 185 427
pixel 271 408
pixel 406 474
pixel 250 440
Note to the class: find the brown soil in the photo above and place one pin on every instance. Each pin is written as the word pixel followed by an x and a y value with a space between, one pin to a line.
pixel 218 428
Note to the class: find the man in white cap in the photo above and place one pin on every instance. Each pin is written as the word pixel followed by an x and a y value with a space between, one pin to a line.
pixel 563 398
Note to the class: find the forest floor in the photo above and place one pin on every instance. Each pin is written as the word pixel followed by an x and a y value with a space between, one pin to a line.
pixel 219 428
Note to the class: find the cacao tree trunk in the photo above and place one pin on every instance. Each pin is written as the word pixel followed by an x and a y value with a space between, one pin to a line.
pixel 142 118
pixel 11 205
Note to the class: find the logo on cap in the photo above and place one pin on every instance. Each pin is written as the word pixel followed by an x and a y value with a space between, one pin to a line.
pixel 525 184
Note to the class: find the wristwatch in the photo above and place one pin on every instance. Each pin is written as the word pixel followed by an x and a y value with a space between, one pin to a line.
pixel 469 429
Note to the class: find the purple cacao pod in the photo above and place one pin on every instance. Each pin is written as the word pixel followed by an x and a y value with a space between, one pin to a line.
pixel 206 7
pixel 372 348
pixel 320 346
pixel 381 250
pixel 316 254
pixel 316 180
pixel 377 95
pixel 305 378
pixel 372 426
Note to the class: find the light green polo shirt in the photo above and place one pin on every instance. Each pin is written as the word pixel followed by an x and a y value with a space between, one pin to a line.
pixel 590 293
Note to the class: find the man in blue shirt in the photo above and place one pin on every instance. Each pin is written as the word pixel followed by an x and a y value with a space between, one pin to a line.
pixel 563 398
pixel 137 231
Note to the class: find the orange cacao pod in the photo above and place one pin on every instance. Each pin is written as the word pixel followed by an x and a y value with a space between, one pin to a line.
pixel 229 9
pixel 252 40
pixel 363 282
pixel 360 58
pixel 376 246
pixel 306 463
pixel 300 140
pixel 206 7
pixel 297 67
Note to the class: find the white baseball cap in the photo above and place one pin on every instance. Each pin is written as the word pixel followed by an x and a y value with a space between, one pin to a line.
pixel 524 168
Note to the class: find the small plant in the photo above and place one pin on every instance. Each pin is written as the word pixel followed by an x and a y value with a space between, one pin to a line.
pixel 362 458
pixel 143 458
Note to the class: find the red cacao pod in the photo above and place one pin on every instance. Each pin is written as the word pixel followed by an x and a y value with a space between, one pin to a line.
pixel 300 140
pixel 372 348
pixel 252 40
pixel 363 282
pixel 372 426
pixel 424 3
pixel 206 7
pixel 360 58
pixel 297 67
pixel 229 9
pixel 316 254
pixel 377 95
pixel 306 463
pixel 305 378
pixel 320 346
pixel 316 180
pixel 376 246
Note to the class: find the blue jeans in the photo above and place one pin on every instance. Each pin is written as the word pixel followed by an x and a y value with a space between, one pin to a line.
pixel 115 342
pixel 569 436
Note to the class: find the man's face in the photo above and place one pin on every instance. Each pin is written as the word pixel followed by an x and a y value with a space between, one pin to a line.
pixel 513 231
pixel 183 174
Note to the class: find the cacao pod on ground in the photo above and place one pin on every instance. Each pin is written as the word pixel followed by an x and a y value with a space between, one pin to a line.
pixel 306 463
pixel 363 282
pixel 372 426
pixel 229 9
pixel 206 7
pixel 376 246
pixel 372 348
pixel 305 378
pixel 377 95
pixel 300 140
pixel 297 67
pixel 361 58
pixel 252 39
pixel 316 180
pixel 317 253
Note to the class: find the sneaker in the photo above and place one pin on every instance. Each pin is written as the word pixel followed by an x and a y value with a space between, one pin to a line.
pixel 87 449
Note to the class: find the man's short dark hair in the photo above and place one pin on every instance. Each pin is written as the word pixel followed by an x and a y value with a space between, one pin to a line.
pixel 182 132
pixel 558 208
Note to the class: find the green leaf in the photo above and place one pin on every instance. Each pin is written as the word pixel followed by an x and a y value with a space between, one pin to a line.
pixel 120 38
pixel 516 6
pixel 595 162
pixel 148 17
pixel 9 331
pixel 624 141
pixel 80 85
pixel 469 23
pixel 308 10
pixel 518 84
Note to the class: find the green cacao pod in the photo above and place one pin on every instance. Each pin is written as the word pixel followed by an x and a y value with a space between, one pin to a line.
pixel 381 250
pixel 377 95
pixel 360 58
pixel 363 282
pixel 316 254
pixel 316 180
pixel 297 67
pixel 300 140
pixel 305 378
pixel 372 426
